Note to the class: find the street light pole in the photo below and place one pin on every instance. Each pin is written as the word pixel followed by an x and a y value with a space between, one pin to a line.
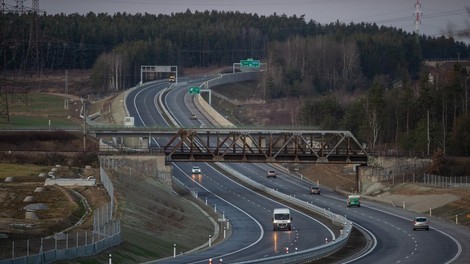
pixel 84 125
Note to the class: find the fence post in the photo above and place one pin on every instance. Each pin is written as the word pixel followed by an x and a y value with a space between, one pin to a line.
pixel 41 249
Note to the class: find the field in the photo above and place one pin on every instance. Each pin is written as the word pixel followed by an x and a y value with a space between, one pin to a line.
pixel 43 110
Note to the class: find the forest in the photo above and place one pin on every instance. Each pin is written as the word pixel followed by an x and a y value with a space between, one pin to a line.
pixel 369 79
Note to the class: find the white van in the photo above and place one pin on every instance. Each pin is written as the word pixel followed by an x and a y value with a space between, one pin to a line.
pixel 282 219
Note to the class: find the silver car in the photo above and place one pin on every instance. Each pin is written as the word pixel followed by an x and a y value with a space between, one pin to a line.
pixel 420 222
pixel 314 190
pixel 271 173
pixel 196 170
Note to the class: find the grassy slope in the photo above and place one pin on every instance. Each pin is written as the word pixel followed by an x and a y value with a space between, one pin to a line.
pixel 153 218
pixel 21 170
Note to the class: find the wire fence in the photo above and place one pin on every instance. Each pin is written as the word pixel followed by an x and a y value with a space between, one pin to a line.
pixel 414 174
pixel 65 245
pixel 61 246
pixel 438 181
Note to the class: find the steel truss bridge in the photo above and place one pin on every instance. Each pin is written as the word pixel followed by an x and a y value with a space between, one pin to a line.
pixel 244 145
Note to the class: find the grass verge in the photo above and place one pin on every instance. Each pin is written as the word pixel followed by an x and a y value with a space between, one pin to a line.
pixel 42 110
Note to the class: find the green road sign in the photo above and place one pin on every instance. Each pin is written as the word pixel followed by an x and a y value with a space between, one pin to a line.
pixel 250 63
pixel 194 90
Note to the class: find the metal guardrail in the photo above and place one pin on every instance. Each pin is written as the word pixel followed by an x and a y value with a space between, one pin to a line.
pixel 304 255
pixel 308 254
pixel 300 256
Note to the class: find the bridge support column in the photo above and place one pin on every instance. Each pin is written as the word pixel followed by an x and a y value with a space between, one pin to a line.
pixel 358 182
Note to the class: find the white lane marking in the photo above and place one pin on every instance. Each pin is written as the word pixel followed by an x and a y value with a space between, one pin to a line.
pixel 259 225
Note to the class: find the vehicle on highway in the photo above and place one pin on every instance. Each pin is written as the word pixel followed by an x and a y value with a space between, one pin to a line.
pixel 314 190
pixel 193 117
pixel 282 219
pixel 271 173
pixel 420 222
pixel 196 170
pixel 172 79
pixel 353 200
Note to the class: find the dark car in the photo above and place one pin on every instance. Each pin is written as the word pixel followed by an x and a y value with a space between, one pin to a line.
pixel 314 190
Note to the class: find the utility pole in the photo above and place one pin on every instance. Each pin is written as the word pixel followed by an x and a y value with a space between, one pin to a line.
pixel 84 123
pixel 66 102
pixel 428 138
pixel 33 65
pixel 19 7
pixel 5 8
pixel 417 14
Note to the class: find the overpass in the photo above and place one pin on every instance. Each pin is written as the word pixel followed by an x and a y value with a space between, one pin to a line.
pixel 230 144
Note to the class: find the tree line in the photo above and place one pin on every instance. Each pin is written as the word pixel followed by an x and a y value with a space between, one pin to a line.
pixel 361 77
pixel 200 39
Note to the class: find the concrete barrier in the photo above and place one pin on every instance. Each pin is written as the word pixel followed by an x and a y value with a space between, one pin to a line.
pixel 70 182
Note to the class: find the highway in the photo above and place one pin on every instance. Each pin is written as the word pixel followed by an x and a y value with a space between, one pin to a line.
pixel 396 241
pixel 249 213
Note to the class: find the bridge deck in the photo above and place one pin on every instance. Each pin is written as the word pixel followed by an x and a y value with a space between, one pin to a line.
pixel 246 145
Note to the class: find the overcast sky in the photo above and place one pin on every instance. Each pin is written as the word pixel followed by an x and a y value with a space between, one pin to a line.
pixel 437 15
